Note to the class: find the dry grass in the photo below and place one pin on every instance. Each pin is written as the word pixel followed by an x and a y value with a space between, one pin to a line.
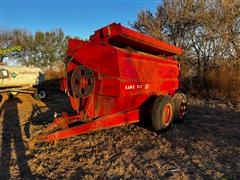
pixel 224 81
pixel 55 71
pixel 221 81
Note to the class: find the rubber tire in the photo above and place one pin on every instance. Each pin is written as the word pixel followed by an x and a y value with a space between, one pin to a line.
pixel 157 112
pixel 37 92
pixel 178 98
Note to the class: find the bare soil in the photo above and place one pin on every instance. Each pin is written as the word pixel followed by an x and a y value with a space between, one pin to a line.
pixel 206 145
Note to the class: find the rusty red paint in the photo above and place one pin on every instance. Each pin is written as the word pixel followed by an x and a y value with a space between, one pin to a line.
pixel 117 119
pixel 123 79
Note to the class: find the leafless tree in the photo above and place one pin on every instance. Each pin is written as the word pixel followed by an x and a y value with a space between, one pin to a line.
pixel 206 29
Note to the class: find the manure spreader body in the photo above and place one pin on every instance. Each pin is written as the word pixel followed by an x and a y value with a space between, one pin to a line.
pixel 118 77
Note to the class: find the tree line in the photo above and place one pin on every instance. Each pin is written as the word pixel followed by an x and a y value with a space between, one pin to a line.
pixel 209 33
pixel 207 30
pixel 42 49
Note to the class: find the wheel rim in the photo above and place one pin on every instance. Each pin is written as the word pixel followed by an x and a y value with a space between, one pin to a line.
pixel 42 94
pixel 182 110
pixel 167 114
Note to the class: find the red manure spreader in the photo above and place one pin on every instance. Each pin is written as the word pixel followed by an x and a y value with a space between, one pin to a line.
pixel 115 78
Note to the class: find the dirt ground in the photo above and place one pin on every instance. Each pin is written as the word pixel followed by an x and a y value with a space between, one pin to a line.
pixel 206 145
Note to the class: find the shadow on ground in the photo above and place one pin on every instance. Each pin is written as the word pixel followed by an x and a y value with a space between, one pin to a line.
pixel 206 145
pixel 12 139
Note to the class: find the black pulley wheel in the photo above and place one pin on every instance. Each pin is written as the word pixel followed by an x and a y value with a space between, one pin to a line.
pixel 82 82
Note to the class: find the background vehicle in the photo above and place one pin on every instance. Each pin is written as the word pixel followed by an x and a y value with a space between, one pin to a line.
pixel 14 80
